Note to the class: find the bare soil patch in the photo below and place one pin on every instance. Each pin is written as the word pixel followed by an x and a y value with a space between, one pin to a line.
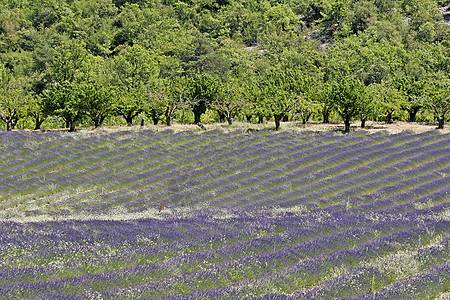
pixel 371 127
pixel 296 126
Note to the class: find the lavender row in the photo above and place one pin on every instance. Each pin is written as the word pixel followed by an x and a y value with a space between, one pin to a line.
pixel 93 168
pixel 292 180
pixel 77 183
pixel 253 166
pixel 408 237
pixel 251 173
pixel 115 153
pixel 122 141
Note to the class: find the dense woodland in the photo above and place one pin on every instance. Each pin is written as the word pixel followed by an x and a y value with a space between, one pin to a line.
pixel 68 63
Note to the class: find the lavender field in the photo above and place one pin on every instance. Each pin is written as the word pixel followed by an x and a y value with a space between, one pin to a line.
pixel 215 215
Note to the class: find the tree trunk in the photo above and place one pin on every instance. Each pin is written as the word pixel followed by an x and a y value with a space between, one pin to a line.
pixel 305 117
pixel 197 117
pixel 260 120
pixel 168 119
pixel 326 115
pixel 155 116
pixel 347 125
pixel 72 124
pixel 230 120
pixel 222 117
pixel 441 122
pixel 168 115
pixel 412 114
pixel 129 120
pixel 38 122
pixel 285 118
pixel 198 110
pixel 98 121
pixel 363 121
pixel 142 122
pixel 278 118
pixel 389 118
pixel 249 118
pixel 128 116
pixel 10 122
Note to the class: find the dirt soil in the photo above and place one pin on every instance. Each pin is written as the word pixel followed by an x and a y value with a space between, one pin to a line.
pixel 371 127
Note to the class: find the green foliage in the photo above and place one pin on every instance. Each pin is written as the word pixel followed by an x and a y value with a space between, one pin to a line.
pixel 34 111
pixel 13 99
pixel 387 100
pixel 64 100
pixel 70 63
pixel 347 96
pixel 199 91
pixel 156 101
pixel 229 100
pixel 437 97
pixel 210 50
pixel 97 101
pixel 133 68
pixel 129 103
pixel 281 92
pixel 414 91
pixel 13 106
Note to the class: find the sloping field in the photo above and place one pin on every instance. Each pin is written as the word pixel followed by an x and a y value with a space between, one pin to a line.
pixel 142 214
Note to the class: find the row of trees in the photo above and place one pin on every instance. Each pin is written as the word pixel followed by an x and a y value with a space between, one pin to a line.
pixel 80 60
pixel 275 94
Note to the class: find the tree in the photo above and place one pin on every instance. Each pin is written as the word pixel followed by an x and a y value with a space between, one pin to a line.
pixel 64 100
pixel 252 95
pixel 387 99
pixel 158 102
pixel 175 98
pixel 201 89
pixel 129 103
pixel 134 68
pixel 306 108
pixel 414 91
pixel 437 98
pixel 279 89
pixel 71 63
pixel 13 100
pixel 347 96
pixel 13 25
pixel 366 109
pixel 229 101
pixel 155 102
pixel 131 71
pixel 280 17
pixel 35 111
pixel 13 104
pixel 97 101
pixel 309 92
pixel 325 107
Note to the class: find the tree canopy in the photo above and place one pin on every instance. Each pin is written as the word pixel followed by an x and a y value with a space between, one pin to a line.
pixel 242 59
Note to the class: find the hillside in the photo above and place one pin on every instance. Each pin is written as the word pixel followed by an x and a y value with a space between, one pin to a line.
pixel 79 63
